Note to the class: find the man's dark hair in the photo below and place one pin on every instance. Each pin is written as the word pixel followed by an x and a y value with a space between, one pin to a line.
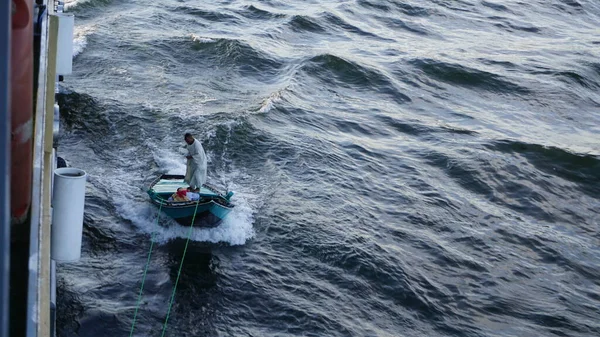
pixel 188 135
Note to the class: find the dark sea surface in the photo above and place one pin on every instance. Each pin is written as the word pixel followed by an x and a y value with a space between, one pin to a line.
pixel 401 168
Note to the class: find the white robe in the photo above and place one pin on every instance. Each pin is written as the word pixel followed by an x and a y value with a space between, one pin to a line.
pixel 195 174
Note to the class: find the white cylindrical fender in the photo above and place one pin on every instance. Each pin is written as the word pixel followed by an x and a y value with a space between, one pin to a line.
pixel 68 199
pixel 64 51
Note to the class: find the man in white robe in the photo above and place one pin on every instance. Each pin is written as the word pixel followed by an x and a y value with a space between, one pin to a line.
pixel 195 174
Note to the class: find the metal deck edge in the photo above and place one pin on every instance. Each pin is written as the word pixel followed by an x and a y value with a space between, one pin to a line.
pixel 33 289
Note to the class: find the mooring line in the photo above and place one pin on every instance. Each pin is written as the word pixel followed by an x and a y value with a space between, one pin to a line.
pixel 145 273
pixel 179 271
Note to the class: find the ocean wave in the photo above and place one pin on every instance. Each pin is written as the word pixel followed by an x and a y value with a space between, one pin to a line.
pixel 595 67
pixel 193 53
pixel 417 128
pixel 582 169
pixel 338 23
pixel 346 71
pixel 393 5
pixel 70 306
pixel 70 4
pixel 255 13
pixel 504 64
pixel 269 103
pixel 302 23
pixel 213 16
pixel 526 179
pixel 495 6
pixel 399 24
pixel 336 70
pixel 366 267
pixel 500 182
pixel 78 111
pixel 237 54
pixel 76 5
pixel 573 77
pixel 411 9
pixel 461 75
pixel 569 6
pixel 200 39
pixel 466 173
pixel 369 129
pixel 511 26
pixel 381 6
pixel 80 38
pixel 457 6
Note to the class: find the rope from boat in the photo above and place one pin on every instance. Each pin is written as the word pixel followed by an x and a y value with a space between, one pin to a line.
pixel 145 273
pixel 179 271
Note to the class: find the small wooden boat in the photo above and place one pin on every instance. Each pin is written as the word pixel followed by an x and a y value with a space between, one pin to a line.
pixel 212 207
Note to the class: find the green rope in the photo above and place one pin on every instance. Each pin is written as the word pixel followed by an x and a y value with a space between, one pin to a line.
pixel 144 277
pixel 179 272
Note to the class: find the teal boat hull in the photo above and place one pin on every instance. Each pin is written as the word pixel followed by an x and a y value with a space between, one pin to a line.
pixel 209 211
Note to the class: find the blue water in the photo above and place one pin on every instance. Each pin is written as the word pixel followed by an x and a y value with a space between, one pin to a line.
pixel 401 168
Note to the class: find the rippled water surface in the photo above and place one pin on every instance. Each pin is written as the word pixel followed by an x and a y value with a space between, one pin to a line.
pixel 401 168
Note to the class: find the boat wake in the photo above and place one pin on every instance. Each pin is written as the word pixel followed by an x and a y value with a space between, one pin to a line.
pixel 236 228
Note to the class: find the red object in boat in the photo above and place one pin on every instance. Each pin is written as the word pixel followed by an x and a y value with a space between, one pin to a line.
pixel 21 105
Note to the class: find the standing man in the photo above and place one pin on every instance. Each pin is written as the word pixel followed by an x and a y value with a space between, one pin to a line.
pixel 195 174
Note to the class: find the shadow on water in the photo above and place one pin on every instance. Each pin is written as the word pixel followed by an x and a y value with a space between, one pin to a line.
pixel 200 267
pixel 69 308
pixel 193 312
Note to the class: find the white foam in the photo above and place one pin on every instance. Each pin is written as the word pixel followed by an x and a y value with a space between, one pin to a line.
pixel 79 44
pixel 236 229
pixel 80 38
pixel 70 4
pixel 170 162
pixel 201 39
pixel 230 124
pixel 269 103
